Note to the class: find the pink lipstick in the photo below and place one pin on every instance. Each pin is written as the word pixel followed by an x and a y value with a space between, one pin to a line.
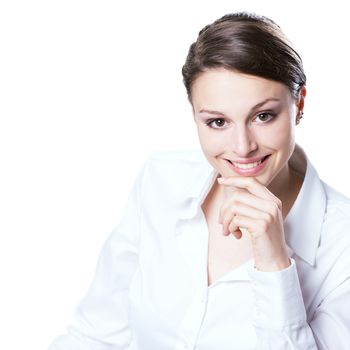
pixel 248 167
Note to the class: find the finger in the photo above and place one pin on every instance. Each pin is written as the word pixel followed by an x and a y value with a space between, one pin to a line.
pixel 235 230
pixel 250 184
pixel 227 219
pixel 241 209
pixel 254 227
pixel 234 207
pixel 231 224
pixel 234 198
pixel 237 233
pixel 243 197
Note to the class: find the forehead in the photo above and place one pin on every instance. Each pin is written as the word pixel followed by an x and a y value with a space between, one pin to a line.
pixel 226 89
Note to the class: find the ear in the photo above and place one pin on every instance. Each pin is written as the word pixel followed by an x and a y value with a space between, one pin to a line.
pixel 300 104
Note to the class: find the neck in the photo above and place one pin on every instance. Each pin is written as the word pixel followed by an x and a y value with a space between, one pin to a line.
pixel 286 187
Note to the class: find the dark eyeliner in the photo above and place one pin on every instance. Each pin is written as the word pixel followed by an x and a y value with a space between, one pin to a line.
pixel 272 115
pixel 209 122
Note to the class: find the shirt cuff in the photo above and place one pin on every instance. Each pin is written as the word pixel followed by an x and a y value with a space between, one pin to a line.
pixel 278 301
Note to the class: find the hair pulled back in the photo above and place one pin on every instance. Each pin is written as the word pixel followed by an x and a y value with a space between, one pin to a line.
pixel 246 43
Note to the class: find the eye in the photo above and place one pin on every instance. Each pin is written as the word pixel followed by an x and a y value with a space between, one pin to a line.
pixel 264 117
pixel 217 123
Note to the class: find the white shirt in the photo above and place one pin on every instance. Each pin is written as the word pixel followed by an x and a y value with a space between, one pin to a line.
pixel 150 291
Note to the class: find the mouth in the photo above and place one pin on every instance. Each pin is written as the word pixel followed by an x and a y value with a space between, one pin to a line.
pixel 248 167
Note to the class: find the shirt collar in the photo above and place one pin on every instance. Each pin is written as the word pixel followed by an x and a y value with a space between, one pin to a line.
pixel 197 189
pixel 303 223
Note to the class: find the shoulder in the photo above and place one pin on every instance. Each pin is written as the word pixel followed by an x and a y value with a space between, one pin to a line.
pixel 334 247
pixel 173 173
pixel 337 203
pixel 174 164
pixel 336 226
pixel 171 160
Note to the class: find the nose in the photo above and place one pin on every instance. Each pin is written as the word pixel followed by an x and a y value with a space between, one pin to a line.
pixel 243 142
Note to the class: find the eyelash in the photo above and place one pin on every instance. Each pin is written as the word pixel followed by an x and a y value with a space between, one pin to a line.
pixel 210 122
pixel 270 114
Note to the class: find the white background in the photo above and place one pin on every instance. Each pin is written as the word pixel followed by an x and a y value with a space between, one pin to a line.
pixel 88 89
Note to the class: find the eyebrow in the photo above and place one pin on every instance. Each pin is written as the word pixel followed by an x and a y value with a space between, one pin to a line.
pixel 258 105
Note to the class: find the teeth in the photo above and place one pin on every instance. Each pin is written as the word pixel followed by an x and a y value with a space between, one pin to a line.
pixel 247 166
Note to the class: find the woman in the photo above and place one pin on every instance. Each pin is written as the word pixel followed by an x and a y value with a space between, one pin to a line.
pixel 240 246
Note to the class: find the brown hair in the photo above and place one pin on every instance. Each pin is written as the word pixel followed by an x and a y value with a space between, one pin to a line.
pixel 246 43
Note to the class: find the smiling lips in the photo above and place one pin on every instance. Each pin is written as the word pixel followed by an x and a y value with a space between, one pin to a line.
pixel 248 167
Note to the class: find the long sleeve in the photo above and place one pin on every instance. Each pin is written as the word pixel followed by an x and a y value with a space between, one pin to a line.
pixel 280 318
pixel 331 321
pixel 101 318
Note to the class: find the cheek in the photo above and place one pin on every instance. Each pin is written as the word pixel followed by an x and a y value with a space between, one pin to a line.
pixel 212 142
pixel 278 136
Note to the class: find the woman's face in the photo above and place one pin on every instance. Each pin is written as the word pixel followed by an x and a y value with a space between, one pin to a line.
pixel 245 123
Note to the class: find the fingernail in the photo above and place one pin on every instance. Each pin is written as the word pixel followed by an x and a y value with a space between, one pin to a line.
pixel 221 179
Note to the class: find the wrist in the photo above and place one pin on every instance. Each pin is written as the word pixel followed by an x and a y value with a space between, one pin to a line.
pixel 273 265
